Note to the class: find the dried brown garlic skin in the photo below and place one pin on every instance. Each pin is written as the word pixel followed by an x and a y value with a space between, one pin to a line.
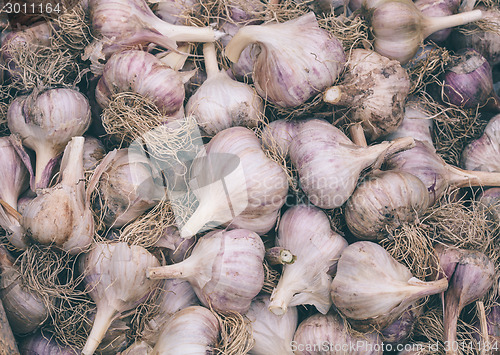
pixel 384 201
pixel 483 154
pixel 375 89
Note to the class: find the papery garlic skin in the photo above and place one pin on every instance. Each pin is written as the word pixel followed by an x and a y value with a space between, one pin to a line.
pixel 115 276
pixel 61 215
pixel 225 269
pixel 15 180
pixel 329 164
pixel 221 102
pixel 174 11
pixel 416 124
pixel 484 153
pixel 236 169
pixel 93 152
pixel 46 122
pixel 287 75
pixel 329 329
pixel 356 291
pixel 384 201
pixel 272 334
pixel 305 231
pixel 193 330
pixel 375 90
pixel 144 74
pixel 178 248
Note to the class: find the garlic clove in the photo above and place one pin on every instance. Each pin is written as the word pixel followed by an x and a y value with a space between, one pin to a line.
pixel 287 75
pixel 305 231
pixel 221 102
pixel 193 330
pixel 225 269
pixel 384 201
pixel 356 292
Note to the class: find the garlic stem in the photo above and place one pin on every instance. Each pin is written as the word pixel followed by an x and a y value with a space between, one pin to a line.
pixel 174 271
pixel 176 60
pixel 43 157
pixel 358 135
pixel 434 24
pixel 210 59
pixel 483 325
pixel 467 178
pixel 103 319
pixel 428 288
pixel 180 33
pixel 342 95
pixel 198 219
pixel 279 256
pixel 10 210
pixel 281 297
pixel 243 38
pixel 450 321
pixel 72 167
pixel 399 145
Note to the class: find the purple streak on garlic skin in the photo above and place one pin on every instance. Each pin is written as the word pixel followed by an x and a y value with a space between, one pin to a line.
pixel 469 82
pixel 398 331
pixel 436 8
pixel 483 154
pixel 493 327
pixel 38 344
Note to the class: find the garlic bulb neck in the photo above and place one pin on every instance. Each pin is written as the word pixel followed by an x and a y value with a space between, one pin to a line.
pixel 102 321
pixel 210 59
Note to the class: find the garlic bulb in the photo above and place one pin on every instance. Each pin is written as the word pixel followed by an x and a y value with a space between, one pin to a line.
pixel 329 164
pixel 15 181
pixel 288 75
pixel 305 231
pixel 46 122
pixel 25 310
pixel 272 334
pixel 225 269
pixel 175 295
pixel 144 74
pixel 193 330
pixel 61 215
pixel 437 8
pixel 237 184
pixel 491 200
pixel 483 154
pixel 39 344
pixel 127 187
pixel 93 152
pixel 471 274
pixel 138 348
pixel 279 134
pixel 115 277
pixel 375 90
pixel 328 334
pixel 175 11
pixel 423 162
pixel 126 23
pixel 356 292
pixel 221 102
pixel 383 202
pixel 416 124
pixel 401 39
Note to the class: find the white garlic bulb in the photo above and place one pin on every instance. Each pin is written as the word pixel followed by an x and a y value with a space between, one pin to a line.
pixel 115 277
pixel 288 75
pixel 15 180
pixel 236 184
pixel 375 90
pixel 225 269
pixel 61 215
pixel 272 334
pixel 484 153
pixel 193 330
pixel 46 122
pixel 329 164
pixel 365 266
pixel 221 102
pixel 327 334
pixel 305 231
pixel 384 201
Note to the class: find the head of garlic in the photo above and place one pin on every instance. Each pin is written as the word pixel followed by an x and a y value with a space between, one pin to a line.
pixel 46 122
pixel 305 231
pixel 384 201
pixel 482 154
pixel 25 309
pixel 356 291
pixel 221 102
pixel 236 184
pixel 438 9
pixel 193 330
pixel 289 75
pixel 115 277
pixel 61 215
pixel 375 90
pixel 272 334
pixel 15 180
pixel 127 186
pixel 328 334
pixel 329 164
pixel 225 269
pixel 144 74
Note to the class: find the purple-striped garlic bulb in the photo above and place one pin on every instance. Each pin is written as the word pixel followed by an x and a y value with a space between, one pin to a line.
pixel 483 154
pixel 433 8
pixel 115 277
pixel 305 231
pixel 225 269
pixel 288 75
